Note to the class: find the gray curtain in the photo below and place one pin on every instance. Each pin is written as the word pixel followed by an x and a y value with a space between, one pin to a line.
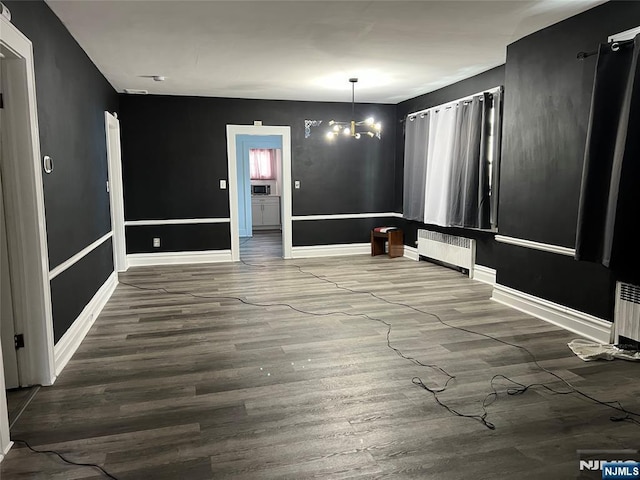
pixel 470 199
pixel 463 196
pixel 610 200
pixel 415 166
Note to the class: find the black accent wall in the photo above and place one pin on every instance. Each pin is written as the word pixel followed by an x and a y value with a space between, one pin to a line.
pixel 95 267
pixel 546 112
pixel 352 230
pixel 177 238
pixel 72 96
pixel 478 83
pixel 174 152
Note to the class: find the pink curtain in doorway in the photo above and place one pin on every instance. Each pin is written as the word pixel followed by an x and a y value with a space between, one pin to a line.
pixel 262 164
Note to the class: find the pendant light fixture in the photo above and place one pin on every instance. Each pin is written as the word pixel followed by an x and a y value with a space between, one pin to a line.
pixel 367 127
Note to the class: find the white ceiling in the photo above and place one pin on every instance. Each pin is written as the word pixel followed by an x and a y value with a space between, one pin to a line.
pixel 302 50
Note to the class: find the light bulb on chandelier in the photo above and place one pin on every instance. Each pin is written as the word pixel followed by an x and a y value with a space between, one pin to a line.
pixel 367 127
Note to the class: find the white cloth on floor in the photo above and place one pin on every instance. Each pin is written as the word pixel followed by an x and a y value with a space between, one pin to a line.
pixel 588 351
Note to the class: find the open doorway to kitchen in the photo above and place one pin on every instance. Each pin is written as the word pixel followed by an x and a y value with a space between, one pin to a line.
pixel 259 191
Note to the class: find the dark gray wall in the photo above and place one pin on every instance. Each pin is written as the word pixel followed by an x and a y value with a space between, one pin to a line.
pixel 72 97
pixel 352 230
pixel 547 99
pixel 478 83
pixel 175 152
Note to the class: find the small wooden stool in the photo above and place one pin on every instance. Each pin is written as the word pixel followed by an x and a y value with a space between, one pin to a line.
pixel 394 237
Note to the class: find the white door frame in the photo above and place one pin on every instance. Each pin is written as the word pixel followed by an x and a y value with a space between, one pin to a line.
pixel 7 326
pixel 116 191
pixel 26 226
pixel 285 199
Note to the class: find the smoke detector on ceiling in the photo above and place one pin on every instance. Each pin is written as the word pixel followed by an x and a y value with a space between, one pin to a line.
pixel 136 91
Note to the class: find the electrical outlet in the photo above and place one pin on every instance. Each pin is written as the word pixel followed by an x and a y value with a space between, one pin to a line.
pixel 223 184
pixel 296 184
pixel 156 242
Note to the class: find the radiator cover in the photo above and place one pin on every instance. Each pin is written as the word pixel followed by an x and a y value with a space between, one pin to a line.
pixel 449 249
pixel 626 319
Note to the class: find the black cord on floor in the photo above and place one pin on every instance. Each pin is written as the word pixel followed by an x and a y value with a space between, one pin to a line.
pixel 491 397
pixel 299 310
pixel 488 400
pixel 66 460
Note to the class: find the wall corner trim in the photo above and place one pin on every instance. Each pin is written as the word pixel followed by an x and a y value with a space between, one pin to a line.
pixel 331 250
pixel 178 258
pixel 484 274
pixel 71 340
pixel 575 321
pixel 411 253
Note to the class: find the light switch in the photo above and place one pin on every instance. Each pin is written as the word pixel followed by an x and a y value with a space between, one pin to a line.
pixel 156 242
pixel 223 184
pixel 296 184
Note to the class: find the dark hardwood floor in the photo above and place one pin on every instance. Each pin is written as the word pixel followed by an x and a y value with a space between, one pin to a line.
pixel 175 386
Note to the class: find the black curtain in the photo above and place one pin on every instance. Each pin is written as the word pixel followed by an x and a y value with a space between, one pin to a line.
pixel 610 200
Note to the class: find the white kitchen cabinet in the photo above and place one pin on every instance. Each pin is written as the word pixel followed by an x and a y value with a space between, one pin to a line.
pixel 265 211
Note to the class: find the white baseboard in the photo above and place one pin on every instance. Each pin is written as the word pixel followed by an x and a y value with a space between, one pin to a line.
pixel 484 274
pixel 177 258
pixel 411 253
pixel 588 326
pixel 331 250
pixel 70 341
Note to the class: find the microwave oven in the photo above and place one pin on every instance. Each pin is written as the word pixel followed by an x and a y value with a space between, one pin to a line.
pixel 260 189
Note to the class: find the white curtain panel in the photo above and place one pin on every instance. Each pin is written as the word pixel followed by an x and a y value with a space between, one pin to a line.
pixel 439 161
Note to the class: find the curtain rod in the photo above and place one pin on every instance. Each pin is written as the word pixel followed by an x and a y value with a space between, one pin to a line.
pixel 448 104
pixel 615 46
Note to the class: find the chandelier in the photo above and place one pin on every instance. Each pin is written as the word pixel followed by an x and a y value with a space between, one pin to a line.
pixel 367 127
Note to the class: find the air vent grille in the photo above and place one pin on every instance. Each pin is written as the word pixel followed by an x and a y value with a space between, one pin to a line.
pixel 445 238
pixel 630 293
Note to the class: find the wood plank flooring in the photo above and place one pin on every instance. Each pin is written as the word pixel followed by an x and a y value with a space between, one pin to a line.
pixel 174 386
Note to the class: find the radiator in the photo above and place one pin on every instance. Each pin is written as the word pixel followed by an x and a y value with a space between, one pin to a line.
pixel 626 319
pixel 449 249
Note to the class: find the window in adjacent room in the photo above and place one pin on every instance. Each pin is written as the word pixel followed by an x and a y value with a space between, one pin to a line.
pixel 263 163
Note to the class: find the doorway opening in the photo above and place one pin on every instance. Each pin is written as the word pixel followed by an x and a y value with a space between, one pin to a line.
pixel 27 258
pixel 260 207
pixel 259 165
pixel 116 194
